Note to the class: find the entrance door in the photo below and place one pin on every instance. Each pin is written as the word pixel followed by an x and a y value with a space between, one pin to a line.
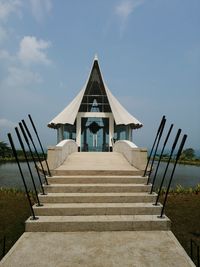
pixel 95 134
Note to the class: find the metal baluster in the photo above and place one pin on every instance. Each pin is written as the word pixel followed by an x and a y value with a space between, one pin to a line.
pixel 32 156
pixel 161 154
pixel 165 172
pixel 35 130
pixel 158 131
pixel 29 168
pixel 4 246
pixel 191 249
pixel 39 159
pixel 172 174
pixel 154 156
pixel 22 176
pixel 198 259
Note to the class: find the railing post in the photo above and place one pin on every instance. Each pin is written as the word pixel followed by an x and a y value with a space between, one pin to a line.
pixel 158 131
pixel 4 246
pixel 35 130
pixel 165 172
pixel 22 176
pixel 154 156
pixel 29 168
pixel 191 249
pixel 32 156
pixel 39 159
pixel 172 174
pixel 161 154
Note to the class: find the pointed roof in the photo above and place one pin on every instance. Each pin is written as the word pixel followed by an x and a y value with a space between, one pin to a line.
pixel 120 114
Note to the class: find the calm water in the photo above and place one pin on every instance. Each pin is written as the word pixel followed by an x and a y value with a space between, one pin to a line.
pixel 10 175
pixel 187 176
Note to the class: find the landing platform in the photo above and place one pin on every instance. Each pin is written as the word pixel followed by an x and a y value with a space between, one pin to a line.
pixel 135 248
pixel 97 161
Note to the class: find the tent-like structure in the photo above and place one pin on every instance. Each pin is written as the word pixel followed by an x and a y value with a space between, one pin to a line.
pixel 95 117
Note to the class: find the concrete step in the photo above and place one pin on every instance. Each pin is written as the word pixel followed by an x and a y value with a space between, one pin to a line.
pixel 97 223
pixel 87 179
pixel 95 188
pixel 74 209
pixel 96 172
pixel 137 197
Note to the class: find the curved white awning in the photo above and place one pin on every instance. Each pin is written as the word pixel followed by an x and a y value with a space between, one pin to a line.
pixel 120 114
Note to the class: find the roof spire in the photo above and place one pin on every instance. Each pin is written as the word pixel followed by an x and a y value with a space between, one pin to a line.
pixel 95 57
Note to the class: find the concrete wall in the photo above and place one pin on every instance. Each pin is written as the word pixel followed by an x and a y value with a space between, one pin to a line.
pixel 56 155
pixel 136 156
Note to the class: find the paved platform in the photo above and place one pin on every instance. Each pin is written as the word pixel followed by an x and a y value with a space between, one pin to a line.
pixel 96 161
pixel 95 249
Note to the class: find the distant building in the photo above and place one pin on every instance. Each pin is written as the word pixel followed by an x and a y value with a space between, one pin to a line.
pixel 95 118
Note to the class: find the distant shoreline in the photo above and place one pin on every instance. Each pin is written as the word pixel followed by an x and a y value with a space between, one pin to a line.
pixel 21 159
pixel 195 162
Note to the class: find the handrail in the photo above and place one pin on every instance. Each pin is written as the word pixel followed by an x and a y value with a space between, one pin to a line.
pixel 22 176
pixel 172 174
pixel 161 154
pixel 35 130
pixel 169 160
pixel 29 168
pixel 32 156
pixel 158 131
pixel 39 159
pixel 154 156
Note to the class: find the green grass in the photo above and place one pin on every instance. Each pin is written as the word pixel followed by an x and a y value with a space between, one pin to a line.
pixel 14 210
pixel 183 208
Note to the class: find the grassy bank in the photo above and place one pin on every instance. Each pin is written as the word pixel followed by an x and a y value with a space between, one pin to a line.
pixel 14 210
pixel 183 208
pixel 184 211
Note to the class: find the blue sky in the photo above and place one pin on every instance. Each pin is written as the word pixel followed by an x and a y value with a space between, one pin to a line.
pixel 149 53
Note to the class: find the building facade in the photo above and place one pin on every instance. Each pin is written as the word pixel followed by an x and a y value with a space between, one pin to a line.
pixel 95 118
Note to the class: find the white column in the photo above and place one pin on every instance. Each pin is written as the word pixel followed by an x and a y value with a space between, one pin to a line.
pixel 60 133
pixel 130 134
pixel 111 130
pixel 78 130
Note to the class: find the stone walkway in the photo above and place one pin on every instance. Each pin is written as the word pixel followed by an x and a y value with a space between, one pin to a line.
pixel 98 249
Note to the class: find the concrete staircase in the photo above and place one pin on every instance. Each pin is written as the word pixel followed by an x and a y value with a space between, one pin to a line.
pixel 97 201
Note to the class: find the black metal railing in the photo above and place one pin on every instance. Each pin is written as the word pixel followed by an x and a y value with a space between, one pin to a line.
pixel 38 138
pixel 161 155
pixel 193 245
pixel 22 176
pixel 154 143
pixel 32 156
pixel 36 152
pixel 156 149
pixel 29 168
pixel 167 166
pixel 172 174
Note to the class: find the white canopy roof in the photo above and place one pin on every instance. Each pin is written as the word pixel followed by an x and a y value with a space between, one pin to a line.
pixel 120 114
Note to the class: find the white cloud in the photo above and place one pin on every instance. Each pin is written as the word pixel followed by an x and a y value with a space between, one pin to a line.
pixel 4 123
pixel 19 77
pixel 7 7
pixel 40 8
pixel 124 9
pixel 5 55
pixel 32 50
